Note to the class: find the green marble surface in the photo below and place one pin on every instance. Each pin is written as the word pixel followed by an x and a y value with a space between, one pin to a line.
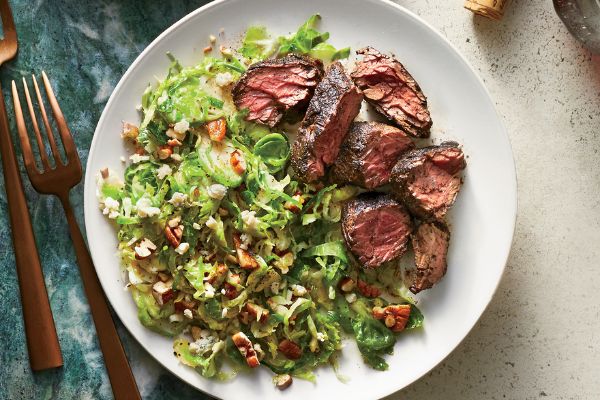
pixel 85 46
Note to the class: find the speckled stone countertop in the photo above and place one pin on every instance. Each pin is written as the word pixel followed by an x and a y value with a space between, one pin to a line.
pixel 539 337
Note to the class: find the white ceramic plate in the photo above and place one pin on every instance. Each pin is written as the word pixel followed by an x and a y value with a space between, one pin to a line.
pixel 483 218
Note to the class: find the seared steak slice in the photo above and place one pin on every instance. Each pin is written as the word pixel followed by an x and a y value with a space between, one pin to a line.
pixel 270 88
pixel 376 228
pixel 427 180
pixel 430 243
pixel 369 153
pixel 393 92
pixel 335 104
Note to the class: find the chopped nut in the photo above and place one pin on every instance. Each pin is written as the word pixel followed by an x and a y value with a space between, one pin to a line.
pixel 207 49
pixel 244 317
pixel 237 162
pixel 173 134
pixel 293 207
pixel 223 212
pixel 347 284
pixel 368 290
pixel 104 173
pixel 218 276
pixel 129 131
pixel 217 129
pixel 196 332
pixel 245 259
pixel 182 248
pixel 144 249
pixel 290 349
pixel 395 317
pixel 257 312
pixel 246 349
pixel 174 235
pixel 173 142
pixel 226 51
pixel 183 305
pixel 230 291
pixel 282 381
pixel 164 152
pixel 163 277
pixel 188 313
pixel 212 39
pixel 163 292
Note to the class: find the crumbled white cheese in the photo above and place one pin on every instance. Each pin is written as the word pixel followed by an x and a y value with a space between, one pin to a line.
pixel 205 333
pixel 111 208
pixel 298 290
pixel 209 290
pixel 249 219
pixel 176 157
pixel 181 126
pixel 174 222
pixel 176 317
pixel 145 209
pixel 203 344
pixel 212 38
pixel 331 293
pixel 217 191
pixel 136 158
pixel 163 171
pixel 123 159
pixel 224 312
pixel 212 223
pixel 194 348
pixel 196 226
pixel 188 313
pixel 182 248
pixel 178 199
pixel 246 240
pixel 351 297
pixel 321 336
pixel 223 79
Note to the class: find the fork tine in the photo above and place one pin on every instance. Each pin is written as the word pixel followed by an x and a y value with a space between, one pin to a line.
pixel 63 128
pixel 49 133
pixel 25 144
pixel 38 136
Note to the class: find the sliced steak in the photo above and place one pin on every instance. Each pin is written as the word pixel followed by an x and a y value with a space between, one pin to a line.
pixel 368 154
pixel 335 104
pixel 430 243
pixel 376 228
pixel 427 180
pixel 393 92
pixel 268 89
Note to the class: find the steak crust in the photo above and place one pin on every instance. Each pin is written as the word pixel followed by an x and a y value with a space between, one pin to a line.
pixel 427 180
pixel 269 89
pixel 376 228
pixel 368 154
pixel 392 90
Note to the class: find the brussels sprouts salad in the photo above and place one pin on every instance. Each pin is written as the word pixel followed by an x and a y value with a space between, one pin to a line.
pixel 224 250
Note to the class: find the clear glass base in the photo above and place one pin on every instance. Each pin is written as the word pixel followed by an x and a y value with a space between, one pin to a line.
pixel 582 18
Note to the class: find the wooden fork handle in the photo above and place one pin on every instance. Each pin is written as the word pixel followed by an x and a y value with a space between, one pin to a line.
pixel 42 341
pixel 119 372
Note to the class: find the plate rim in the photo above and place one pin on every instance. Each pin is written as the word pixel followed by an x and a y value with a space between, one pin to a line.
pixel 90 184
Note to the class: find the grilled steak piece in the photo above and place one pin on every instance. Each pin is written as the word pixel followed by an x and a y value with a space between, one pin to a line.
pixel 427 180
pixel 369 153
pixel 376 228
pixel 393 92
pixel 430 243
pixel 335 104
pixel 268 89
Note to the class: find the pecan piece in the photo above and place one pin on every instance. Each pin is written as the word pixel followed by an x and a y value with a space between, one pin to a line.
pixel 237 162
pixel 246 349
pixel 282 381
pixel 256 312
pixel 347 284
pixel 163 292
pixel 245 259
pixel 230 291
pixel 290 349
pixel 395 317
pixel 174 235
pixel 367 290
pixel 217 129
pixel 217 277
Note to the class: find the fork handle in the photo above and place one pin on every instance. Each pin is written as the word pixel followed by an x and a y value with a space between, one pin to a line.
pixel 42 341
pixel 119 372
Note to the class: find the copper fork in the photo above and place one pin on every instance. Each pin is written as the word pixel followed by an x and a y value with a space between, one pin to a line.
pixel 59 181
pixel 42 341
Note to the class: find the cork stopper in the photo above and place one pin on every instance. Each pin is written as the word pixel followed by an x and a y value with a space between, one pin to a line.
pixel 493 9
